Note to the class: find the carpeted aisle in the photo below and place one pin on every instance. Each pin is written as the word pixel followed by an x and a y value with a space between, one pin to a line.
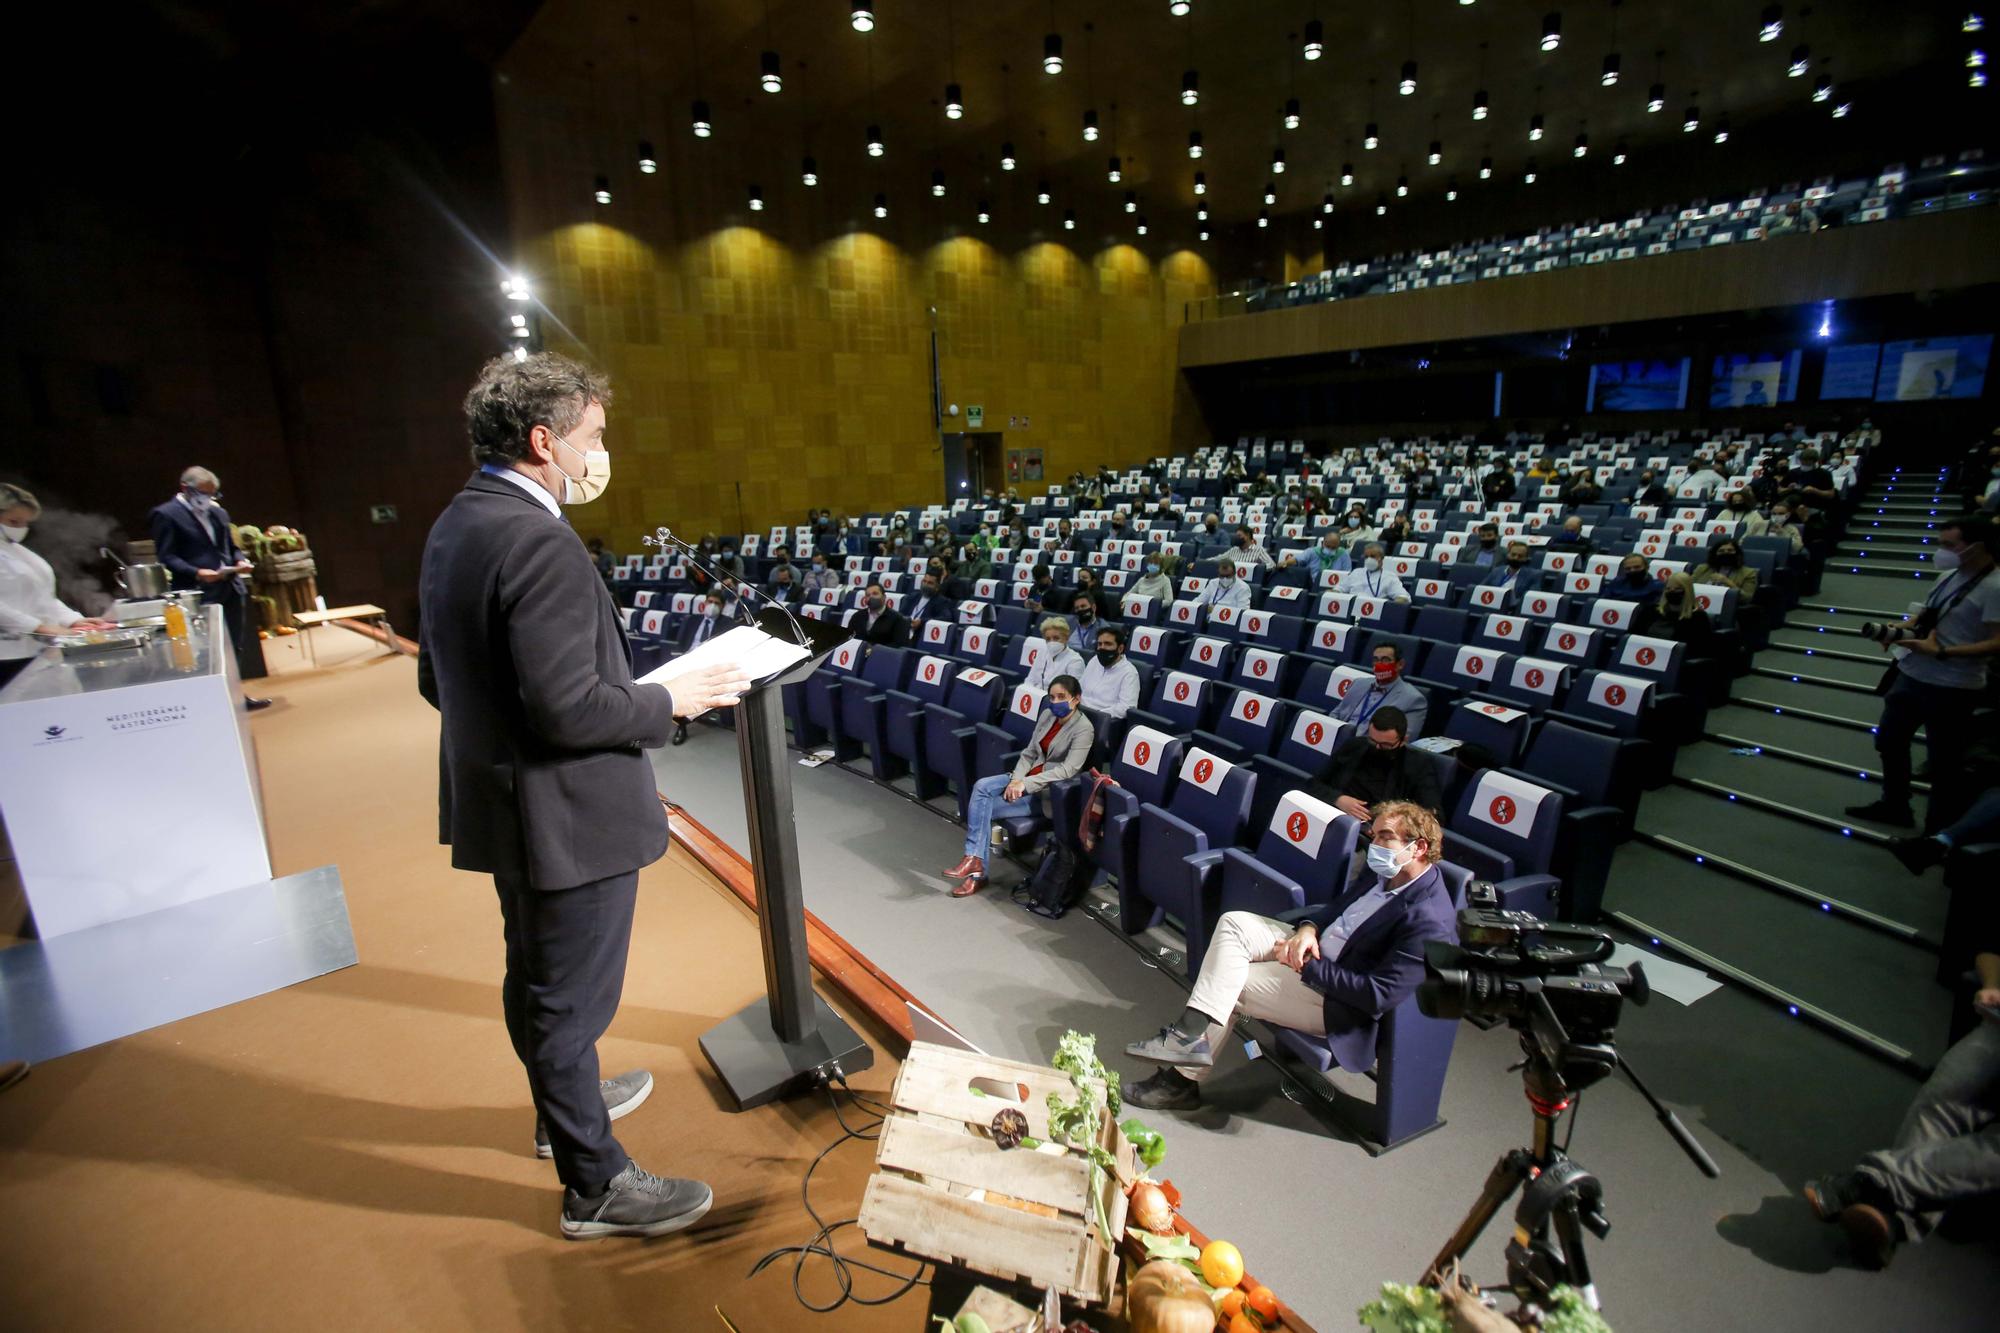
pixel 355 1152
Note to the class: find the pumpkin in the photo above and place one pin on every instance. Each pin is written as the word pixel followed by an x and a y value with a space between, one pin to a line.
pixel 1164 1297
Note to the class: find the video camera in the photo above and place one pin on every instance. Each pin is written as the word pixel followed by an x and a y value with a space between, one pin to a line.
pixel 1896 631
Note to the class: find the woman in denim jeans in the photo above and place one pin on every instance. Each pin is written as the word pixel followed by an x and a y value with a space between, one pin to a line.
pixel 1059 749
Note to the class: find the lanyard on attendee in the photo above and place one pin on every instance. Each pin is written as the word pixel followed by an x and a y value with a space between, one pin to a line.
pixel 1963 588
pixel 1379 693
pixel 1374 582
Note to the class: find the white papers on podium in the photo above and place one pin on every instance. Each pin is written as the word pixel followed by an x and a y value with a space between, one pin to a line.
pixel 758 655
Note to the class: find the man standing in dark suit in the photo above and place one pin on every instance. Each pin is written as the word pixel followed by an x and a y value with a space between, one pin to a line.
pixel 544 781
pixel 1332 970
pixel 192 537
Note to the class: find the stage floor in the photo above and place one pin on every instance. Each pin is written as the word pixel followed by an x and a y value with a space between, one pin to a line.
pixel 354 1151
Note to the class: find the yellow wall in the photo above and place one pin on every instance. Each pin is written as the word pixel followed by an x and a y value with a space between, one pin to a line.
pixel 802 373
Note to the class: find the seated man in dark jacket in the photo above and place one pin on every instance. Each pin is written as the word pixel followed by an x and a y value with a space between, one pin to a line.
pixel 1332 970
pixel 1377 766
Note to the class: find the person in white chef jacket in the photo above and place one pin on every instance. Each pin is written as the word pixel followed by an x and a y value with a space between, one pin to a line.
pixel 28 601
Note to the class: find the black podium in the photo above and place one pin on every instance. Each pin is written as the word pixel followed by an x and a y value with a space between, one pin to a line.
pixel 774 1049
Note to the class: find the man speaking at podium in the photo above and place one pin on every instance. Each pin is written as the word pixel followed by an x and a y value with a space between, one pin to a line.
pixel 543 777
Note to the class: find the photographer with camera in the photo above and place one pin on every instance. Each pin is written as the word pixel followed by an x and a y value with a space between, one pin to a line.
pixel 1332 970
pixel 1939 675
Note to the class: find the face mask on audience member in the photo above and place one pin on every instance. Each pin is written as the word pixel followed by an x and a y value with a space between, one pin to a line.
pixel 1152 567
pixel 1055 640
pixel 930 588
pixel 876 601
pixel 14 532
pixel 729 553
pixel 1517 558
pixel 1060 707
pixel 1673 596
pixel 711 609
pixel 819 566
pixel 1631 573
pixel 1488 543
pixel 1387 861
pixel 1386 670
pixel 1242 542
pixel 1085 613
pixel 1726 559
pixel 1372 564
pixel 1108 656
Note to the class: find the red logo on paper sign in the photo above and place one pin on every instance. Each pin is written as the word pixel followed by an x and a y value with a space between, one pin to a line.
pixel 1614 695
pixel 1475 666
pixel 1203 768
pixel 1486 597
pixel 1506 629
pixel 1252 707
pixel 1534 678
pixel 1502 810
pixel 1027 703
pixel 1297 826
pixel 1566 642
pixel 1033 653
pixel 1583 583
pixel 930 671
pixel 1431 589
pixel 1329 638
pixel 1260 667
pixel 1207 652
pixel 1610 616
pixel 1181 690
pixel 1492 709
pixel 1341 689
pixel 1142 752
pixel 1183 612
pixel 1645 656
pixel 1314 733
pixel 1255 624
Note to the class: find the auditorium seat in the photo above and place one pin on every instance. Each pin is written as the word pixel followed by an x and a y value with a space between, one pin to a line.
pixel 950 732
pixel 1496 733
pixel 1247 727
pixel 1178 704
pixel 1208 807
pixel 855 697
pixel 896 721
pixel 811 703
pixel 1596 777
pixel 1505 829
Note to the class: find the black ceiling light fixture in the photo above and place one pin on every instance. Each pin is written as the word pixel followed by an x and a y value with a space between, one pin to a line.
pixel 1263 217
pixel 1115 171
pixel 862 15
pixel 1656 96
pixel 648 162
pixel 756 199
pixel 1381 203
pixel 937 182
pixel 809 172
pixel 881 200
pixel 1451 190
pixel 1691 120
pixel 1347 173
pixel 770 76
pixel 1190 87
pixel 1618 154
pixel 1406 85
pixel 1582 148
pixel 1052 57
pixel 1403 186
pixel 1552 30
pixel 1608 74
pixel 1270 192
pixel 601 190
pixel 985 212
pixel 1007 158
pixel 1131 202
pixel 699 119
pixel 1436 155
pixel 1823 85
pixel 1482 104
pixel 1069 219
pixel 875 144
pixel 1194 144
pixel 1486 168
pixel 1277 161
pixel 1770 24
pixel 1201 182
pixel 1090 125
pixel 1371 135
pixel 954 96
pixel 1314 45
pixel 1528 176
pixel 1179 8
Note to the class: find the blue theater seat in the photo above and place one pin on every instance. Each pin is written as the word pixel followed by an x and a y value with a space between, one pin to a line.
pixel 950 732
pixel 1209 807
pixel 1505 829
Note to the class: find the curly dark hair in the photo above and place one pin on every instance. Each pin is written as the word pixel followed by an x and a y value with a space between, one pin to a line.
pixel 511 398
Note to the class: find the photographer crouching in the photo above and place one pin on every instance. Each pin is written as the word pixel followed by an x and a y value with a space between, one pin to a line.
pixel 1938 677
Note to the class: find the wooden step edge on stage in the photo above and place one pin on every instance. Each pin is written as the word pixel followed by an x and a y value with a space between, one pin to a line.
pixel 867 986
pixel 368 629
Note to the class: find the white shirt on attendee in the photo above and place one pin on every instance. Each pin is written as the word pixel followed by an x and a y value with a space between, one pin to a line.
pixel 1706 481
pixel 1364 582
pixel 1051 662
pixel 1110 691
pixel 27 599
pixel 1234 593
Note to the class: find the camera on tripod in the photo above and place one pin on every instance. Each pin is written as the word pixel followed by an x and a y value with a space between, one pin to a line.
pixel 1896 631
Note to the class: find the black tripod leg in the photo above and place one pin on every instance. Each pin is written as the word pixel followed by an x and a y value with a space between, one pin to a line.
pixel 1501 1182
pixel 1569 1230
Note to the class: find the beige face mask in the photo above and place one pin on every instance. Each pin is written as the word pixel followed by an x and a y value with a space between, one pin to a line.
pixel 596 475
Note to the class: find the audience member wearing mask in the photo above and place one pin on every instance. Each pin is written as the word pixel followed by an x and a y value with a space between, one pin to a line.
pixel 1740 506
pixel 1514 575
pixel 1084 621
pixel 1725 565
pixel 1373 579
pixel 1676 615
pixel 850 539
pixel 1153 581
pixel 1811 478
pixel 1793 512
pixel 1063 736
pixel 1570 538
pixel 1055 657
pixel 1211 527
pixel 1376 765
pixel 783 590
pixel 1388 690
pixel 820 576
pixel 1634 581
pixel 1498 485
pixel 1582 489
pixel 1705 480
pixel 1396 530
pixel 28 601
pixel 1249 550
pixel 1110 683
pixel 1355 528
pixel 879 622
pixel 1485 551
pixel 193 538
pixel 1088 584
pixel 930 603
pixel 1649 491
pixel 726 561
pixel 1227 588
pixel 1326 556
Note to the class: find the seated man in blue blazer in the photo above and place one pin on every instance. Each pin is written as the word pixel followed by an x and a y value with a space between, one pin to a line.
pixel 1332 970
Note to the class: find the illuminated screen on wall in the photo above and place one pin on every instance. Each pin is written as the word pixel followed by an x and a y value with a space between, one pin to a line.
pixel 1637 386
pixel 1753 379
pixel 1850 370
pixel 1926 368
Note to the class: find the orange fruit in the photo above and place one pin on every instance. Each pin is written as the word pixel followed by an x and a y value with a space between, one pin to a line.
pixel 1265 1302
pixel 1242 1322
pixel 1221 1264
pixel 1231 1303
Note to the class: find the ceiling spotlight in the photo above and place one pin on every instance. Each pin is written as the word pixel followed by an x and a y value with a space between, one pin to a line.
pixel 1326 202
pixel 1408 83
pixel 647 162
pixel 1402 187
pixel 1656 97
pixel 1481 105
pixel 1451 190
pixel 1315 44
pixel 985 213
pixel 603 191
pixel 1052 53
pixel 1371 138
pixel 1277 161
pixel 875 148
pixel 1486 168
pixel 1270 192
pixel 1316 224
pixel 954 102
pixel 1437 152
pixel 1771 24
pixel 756 199
pixel 1618 154
pixel 1609 78
pixel 1582 148
pixel 1178 8
pixel 1190 87
pixel 1840 111
pixel 1801 62
pixel 863 16
pixel 1722 130
pixel 937 183
pixel 1381 204
pixel 1347 173
pixel 1972 23
pixel 1528 177
pixel 1691 121
pixel 1291 113
pixel 881 204
pixel 1201 182
pixel 1535 128
pixel 1113 173
pixel 1202 234
pixel 1042 193
pixel 1090 126
pixel 809 172
pixel 703 126
pixel 515 288
pixel 770 78
pixel 1201 213
pixel 1141 228
pixel 1263 217
pixel 1194 143
pixel 1552 31
pixel 1131 202
pixel 1975 59
pixel 520 353
pixel 1822 88
pixel 1069 219
pixel 1976 79
pixel 1006 157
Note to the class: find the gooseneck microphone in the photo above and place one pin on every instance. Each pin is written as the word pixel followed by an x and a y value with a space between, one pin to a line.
pixel 664 538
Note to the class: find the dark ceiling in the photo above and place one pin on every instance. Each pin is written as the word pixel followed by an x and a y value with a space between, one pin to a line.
pixel 644 66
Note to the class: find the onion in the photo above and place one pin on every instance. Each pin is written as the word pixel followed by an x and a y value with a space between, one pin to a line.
pixel 1151 1210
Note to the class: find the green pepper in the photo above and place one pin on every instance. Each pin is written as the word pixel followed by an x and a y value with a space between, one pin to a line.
pixel 1152 1148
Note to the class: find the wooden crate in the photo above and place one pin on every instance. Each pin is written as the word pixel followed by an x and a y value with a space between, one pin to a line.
pixel 944 1191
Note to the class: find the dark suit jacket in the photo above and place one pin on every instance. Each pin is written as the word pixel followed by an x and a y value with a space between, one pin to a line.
pixel 542 775
pixel 1412 776
pixel 930 608
pixel 1381 964
pixel 185 543
pixel 890 628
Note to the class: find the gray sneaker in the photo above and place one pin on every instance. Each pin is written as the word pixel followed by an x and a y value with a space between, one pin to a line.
pixel 1170 1047
pixel 622 1096
pixel 635 1203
